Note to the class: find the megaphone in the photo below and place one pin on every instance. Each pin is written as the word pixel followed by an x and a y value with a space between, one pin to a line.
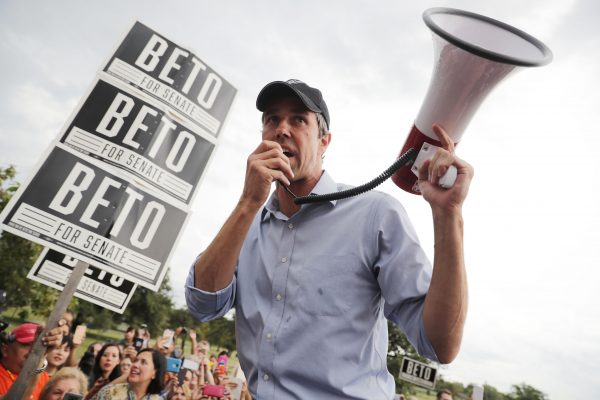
pixel 472 53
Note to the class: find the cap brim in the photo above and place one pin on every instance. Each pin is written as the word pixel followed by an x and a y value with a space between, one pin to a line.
pixel 278 89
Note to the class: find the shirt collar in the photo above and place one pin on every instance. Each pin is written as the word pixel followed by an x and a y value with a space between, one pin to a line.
pixel 325 185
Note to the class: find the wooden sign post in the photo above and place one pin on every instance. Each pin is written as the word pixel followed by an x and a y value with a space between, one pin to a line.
pixel 27 379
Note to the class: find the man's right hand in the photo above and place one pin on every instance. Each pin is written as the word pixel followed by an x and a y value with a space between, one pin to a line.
pixel 215 268
pixel 266 164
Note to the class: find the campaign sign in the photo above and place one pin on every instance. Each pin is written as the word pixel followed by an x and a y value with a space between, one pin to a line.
pixel 97 286
pixel 418 373
pixel 173 75
pixel 118 127
pixel 82 208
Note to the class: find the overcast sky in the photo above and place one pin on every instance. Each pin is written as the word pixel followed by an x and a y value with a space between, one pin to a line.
pixel 532 219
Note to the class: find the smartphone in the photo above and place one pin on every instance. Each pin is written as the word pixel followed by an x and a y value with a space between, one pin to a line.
pixel 173 364
pixel 72 396
pixel 190 363
pixel 79 335
pixel 213 390
pixel 138 343
pixel 168 333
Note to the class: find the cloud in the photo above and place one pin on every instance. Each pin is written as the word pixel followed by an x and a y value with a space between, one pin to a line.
pixel 31 112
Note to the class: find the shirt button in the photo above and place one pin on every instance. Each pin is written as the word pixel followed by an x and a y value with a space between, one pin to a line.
pixel 269 336
pixel 278 297
pixel 284 259
pixel 266 377
pixel 291 226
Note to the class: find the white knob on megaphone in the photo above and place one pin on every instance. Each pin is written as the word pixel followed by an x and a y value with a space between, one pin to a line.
pixel 473 54
pixel 426 153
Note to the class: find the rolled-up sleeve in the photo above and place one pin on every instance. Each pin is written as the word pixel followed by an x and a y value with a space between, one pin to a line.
pixel 205 306
pixel 404 274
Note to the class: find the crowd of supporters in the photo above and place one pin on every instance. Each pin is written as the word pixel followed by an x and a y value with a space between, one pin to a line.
pixel 136 367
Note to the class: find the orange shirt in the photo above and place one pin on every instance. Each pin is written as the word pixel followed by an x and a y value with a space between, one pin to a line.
pixel 7 378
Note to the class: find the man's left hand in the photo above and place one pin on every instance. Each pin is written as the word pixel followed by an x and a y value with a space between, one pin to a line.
pixel 431 171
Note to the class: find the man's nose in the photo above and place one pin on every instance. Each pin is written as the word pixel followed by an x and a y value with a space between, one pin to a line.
pixel 283 128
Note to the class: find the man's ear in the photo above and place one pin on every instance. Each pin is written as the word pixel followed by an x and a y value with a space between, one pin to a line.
pixel 325 140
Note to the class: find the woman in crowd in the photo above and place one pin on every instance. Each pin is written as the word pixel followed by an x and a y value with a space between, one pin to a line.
pixel 106 368
pixel 67 380
pixel 57 356
pixel 145 381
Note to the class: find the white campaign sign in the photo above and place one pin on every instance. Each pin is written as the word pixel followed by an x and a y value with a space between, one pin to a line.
pixel 122 126
pixel 115 187
pixel 174 76
pixel 418 373
pixel 84 209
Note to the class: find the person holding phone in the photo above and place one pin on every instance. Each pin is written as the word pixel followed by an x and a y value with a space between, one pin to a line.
pixel 144 333
pixel 69 380
pixel 15 348
pixel 305 278
pixel 77 338
pixel 57 356
pixel 145 380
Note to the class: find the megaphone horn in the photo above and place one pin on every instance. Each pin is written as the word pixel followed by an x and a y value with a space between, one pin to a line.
pixel 473 54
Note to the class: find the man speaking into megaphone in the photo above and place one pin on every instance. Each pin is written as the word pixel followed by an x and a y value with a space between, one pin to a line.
pixel 313 285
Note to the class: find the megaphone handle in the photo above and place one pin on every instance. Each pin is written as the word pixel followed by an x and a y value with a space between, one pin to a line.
pixel 426 153
pixel 447 181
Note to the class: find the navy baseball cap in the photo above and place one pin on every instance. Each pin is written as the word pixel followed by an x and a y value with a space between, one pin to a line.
pixel 310 97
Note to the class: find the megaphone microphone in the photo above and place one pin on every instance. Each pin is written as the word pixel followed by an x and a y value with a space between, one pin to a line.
pixel 473 53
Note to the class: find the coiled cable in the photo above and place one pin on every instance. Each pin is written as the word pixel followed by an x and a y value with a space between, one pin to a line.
pixel 408 157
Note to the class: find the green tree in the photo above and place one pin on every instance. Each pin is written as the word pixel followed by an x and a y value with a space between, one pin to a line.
pixel 398 347
pixel 150 308
pixel 8 186
pixel 180 317
pixel 526 392
pixel 17 256
pixel 456 388
pixel 95 316
pixel 219 332
pixel 491 393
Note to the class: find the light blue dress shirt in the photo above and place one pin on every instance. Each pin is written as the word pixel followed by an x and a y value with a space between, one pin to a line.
pixel 312 294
